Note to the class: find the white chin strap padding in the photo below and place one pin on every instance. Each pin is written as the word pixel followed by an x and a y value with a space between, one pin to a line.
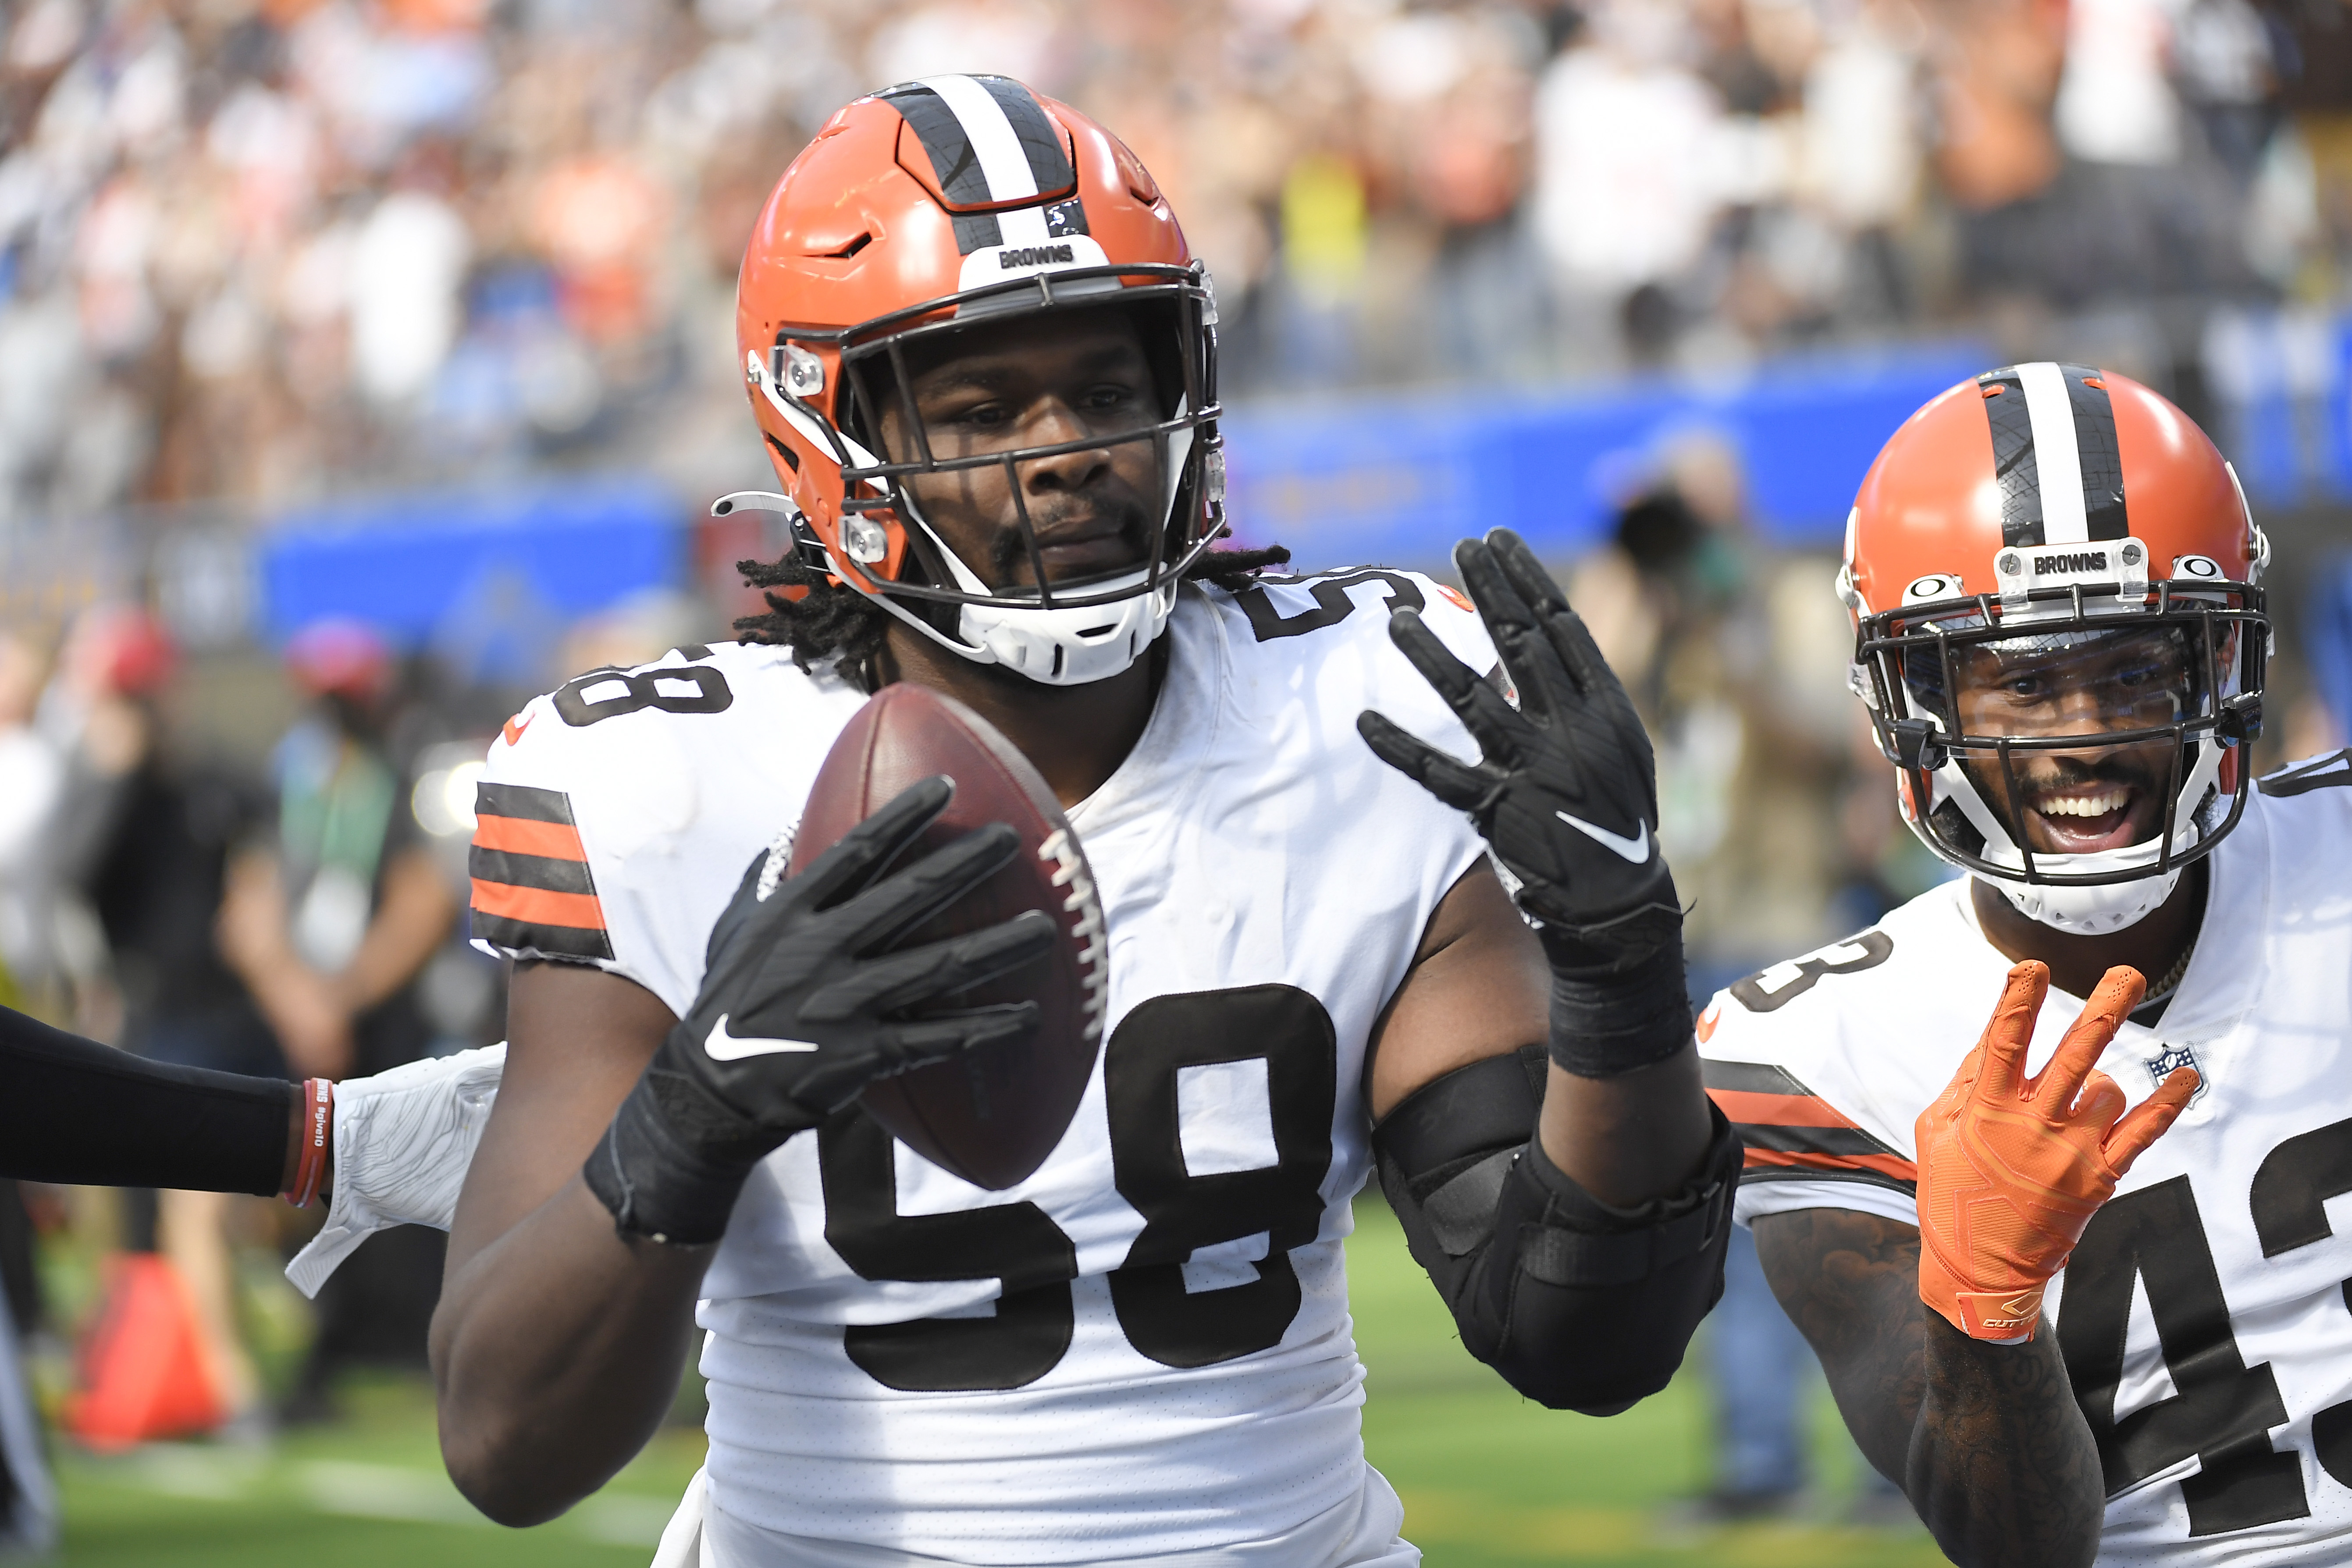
pixel 2101 908
pixel 2089 911
pixel 1071 646
pixel 1062 647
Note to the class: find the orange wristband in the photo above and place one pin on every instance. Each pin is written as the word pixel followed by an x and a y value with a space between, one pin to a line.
pixel 317 1129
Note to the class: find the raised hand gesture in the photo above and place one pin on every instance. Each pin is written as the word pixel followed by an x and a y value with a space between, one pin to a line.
pixel 2012 1168
pixel 1566 792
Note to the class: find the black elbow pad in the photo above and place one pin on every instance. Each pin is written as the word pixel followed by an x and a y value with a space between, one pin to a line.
pixel 1578 1304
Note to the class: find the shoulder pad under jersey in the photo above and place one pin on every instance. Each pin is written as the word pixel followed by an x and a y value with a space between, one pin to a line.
pixel 617 813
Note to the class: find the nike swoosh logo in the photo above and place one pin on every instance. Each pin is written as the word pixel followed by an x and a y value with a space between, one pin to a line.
pixel 516 726
pixel 1635 850
pixel 723 1047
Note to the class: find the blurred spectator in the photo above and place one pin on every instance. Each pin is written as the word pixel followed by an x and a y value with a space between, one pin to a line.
pixel 32 778
pixel 1626 167
pixel 2115 102
pixel 147 834
pixel 28 1503
pixel 333 929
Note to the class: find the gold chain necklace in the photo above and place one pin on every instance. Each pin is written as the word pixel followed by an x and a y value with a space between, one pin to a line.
pixel 2172 977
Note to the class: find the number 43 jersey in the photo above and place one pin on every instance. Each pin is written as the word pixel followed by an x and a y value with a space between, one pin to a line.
pixel 1144 1350
pixel 2206 1316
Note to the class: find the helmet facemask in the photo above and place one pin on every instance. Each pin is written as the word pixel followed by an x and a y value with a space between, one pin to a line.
pixel 1058 633
pixel 2074 748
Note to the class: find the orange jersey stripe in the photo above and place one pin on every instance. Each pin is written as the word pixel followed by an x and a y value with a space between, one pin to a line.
pixel 520 836
pixel 1893 1165
pixel 1742 1106
pixel 537 906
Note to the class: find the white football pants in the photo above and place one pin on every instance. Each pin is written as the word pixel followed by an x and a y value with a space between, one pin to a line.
pixel 1359 1533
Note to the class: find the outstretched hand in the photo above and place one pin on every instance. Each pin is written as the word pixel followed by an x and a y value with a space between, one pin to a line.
pixel 1566 791
pixel 2011 1169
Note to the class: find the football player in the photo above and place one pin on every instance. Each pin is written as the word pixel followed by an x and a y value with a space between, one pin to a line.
pixel 984 363
pixel 2070 1333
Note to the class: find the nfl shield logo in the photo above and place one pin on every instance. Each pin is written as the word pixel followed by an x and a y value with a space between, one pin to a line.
pixel 2171 1059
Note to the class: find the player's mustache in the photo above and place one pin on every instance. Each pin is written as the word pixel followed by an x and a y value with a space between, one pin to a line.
pixel 1008 548
pixel 2073 772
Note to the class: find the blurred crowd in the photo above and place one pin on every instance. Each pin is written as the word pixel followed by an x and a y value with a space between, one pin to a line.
pixel 254 250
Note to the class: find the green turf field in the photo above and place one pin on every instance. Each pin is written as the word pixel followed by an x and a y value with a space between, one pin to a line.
pixel 1489 1480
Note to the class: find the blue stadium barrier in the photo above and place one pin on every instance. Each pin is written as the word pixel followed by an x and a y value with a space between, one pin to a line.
pixel 487 576
pixel 1397 477
pixel 2326 639
pixel 1392 477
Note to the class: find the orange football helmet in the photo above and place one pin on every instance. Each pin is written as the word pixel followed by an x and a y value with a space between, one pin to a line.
pixel 2035 521
pixel 915 212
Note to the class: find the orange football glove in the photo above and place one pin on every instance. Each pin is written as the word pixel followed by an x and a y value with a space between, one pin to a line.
pixel 2011 1169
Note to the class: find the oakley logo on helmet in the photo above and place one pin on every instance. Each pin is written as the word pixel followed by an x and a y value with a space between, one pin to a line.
pixel 1935 585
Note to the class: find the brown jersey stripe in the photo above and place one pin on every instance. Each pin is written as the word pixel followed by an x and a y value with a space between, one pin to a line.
pixel 1743 1109
pixel 538 906
pixel 1889 1170
pixel 558 941
pixel 525 801
pixel 530 871
pixel 522 836
pixel 1749 1077
pixel 1836 1141
pixel 1787 1126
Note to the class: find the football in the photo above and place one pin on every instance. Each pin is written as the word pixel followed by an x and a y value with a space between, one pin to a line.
pixel 991 1115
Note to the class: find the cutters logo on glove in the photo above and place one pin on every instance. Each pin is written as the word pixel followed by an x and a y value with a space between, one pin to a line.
pixel 2011 1168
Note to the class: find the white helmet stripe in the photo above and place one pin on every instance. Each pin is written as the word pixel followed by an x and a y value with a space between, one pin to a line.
pixel 2064 518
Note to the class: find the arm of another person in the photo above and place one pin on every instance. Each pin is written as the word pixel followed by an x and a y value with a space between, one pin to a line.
pixel 1987 1439
pixel 411 920
pixel 298 1003
pixel 558 1343
pixel 76 1111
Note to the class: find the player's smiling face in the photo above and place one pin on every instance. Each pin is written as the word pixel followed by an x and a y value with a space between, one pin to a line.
pixel 1031 382
pixel 2104 796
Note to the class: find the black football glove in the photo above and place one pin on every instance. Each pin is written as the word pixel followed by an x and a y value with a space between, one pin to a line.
pixel 801 1008
pixel 1566 795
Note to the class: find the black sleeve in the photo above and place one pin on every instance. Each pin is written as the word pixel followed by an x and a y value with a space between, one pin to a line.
pixel 74 1110
pixel 1578 1304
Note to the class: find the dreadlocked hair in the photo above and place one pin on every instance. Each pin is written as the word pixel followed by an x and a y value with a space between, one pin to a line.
pixel 827 620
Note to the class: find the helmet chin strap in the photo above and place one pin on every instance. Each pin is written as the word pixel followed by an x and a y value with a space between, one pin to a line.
pixel 1065 645
pixel 2089 911
pixel 2076 909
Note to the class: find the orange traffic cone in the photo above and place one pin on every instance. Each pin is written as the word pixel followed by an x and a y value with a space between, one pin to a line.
pixel 145 1372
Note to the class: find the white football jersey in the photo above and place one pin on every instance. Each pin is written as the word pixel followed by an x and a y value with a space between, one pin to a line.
pixel 2206 1317
pixel 1145 1348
